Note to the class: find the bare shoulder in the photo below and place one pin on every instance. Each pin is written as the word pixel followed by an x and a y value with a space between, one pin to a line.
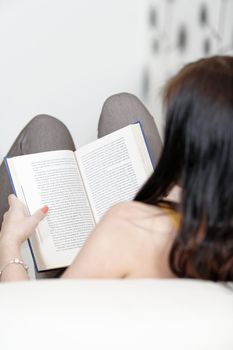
pixel 145 216
pixel 143 235
pixel 127 241
pixel 136 222
pixel 131 210
pixel 120 222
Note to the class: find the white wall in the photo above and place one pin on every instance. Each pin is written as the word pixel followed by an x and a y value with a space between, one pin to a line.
pixel 64 58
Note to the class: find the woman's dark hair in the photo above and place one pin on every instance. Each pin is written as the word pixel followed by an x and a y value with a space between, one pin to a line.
pixel 198 155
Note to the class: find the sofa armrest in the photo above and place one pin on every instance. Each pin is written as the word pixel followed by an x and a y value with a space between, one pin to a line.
pixel 116 314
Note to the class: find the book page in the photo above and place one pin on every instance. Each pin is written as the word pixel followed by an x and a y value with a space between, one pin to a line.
pixel 113 169
pixel 53 178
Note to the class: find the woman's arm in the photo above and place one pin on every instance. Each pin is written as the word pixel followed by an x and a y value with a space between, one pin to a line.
pixel 104 255
pixel 108 253
pixel 17 226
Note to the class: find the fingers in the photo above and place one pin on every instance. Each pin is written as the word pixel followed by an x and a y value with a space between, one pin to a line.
pixel 15 202
pixel 5 215
pixel 11 199
pixel 39 215
pixel 34 219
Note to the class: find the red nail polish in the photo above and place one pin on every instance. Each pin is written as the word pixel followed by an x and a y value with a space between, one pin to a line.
pixel 45 209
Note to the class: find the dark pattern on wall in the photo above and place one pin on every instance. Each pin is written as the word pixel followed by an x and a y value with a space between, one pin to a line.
pixel 181 31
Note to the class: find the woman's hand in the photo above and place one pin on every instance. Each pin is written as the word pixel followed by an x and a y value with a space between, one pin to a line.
pixel 17 225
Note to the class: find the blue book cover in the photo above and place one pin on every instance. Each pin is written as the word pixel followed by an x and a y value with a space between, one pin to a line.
pixel 14 191
pixel 146 142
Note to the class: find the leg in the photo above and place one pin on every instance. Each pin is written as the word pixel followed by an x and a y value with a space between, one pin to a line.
pixel 42 133
pixel 123 109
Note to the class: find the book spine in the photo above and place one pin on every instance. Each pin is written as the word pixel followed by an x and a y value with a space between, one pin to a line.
pixel 147 145
pixel 14 191
pixel 9 175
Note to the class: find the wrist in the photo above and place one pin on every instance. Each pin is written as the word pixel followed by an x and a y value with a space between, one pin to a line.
pixel 7 241
pixel 8 249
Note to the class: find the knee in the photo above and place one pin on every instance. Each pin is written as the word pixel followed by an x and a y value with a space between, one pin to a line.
pixel 46 124
pixel 43 121
pixel 46 133
pixel 120 99
pixel 120 96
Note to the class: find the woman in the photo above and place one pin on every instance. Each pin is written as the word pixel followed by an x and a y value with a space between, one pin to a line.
pixel 181 222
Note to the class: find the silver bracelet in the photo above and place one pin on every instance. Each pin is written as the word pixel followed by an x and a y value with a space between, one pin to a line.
pixel 16 261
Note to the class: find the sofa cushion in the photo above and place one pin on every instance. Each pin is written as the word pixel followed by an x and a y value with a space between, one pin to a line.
pixel 116 314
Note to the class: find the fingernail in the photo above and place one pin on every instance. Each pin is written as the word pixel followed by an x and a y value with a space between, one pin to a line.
pixel 45 209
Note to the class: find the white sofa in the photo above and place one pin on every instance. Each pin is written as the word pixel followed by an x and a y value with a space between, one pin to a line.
pixel 116 314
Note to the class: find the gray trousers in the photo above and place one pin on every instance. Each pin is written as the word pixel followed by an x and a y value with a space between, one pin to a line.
pixel 45 133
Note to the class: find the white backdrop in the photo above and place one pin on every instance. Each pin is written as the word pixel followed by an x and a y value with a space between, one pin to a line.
pixel 64 58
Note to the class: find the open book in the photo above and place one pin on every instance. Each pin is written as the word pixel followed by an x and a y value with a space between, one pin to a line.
pixel 78 188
